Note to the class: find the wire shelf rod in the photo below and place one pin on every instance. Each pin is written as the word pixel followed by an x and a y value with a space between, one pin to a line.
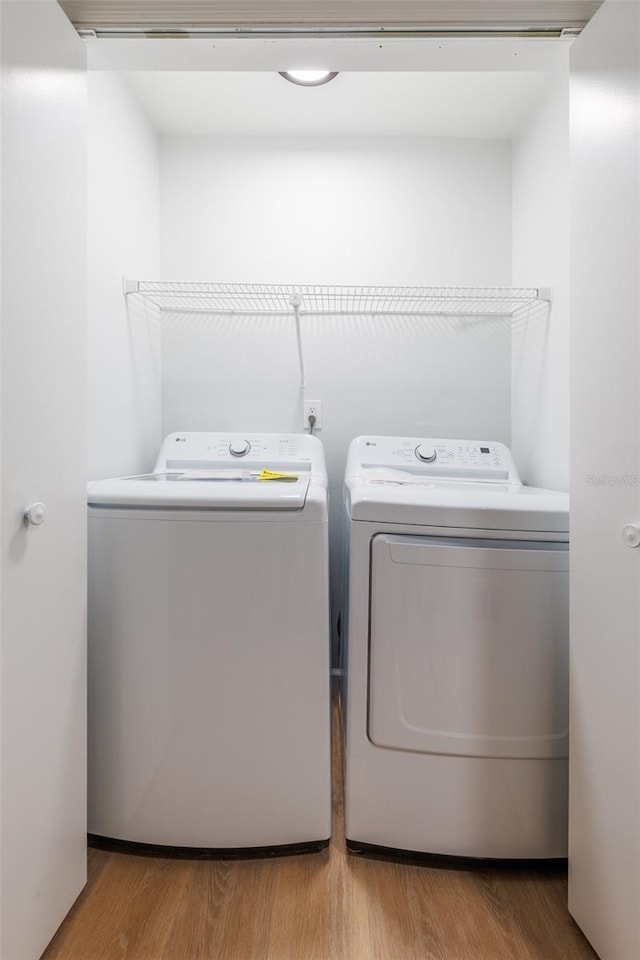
pixel 322 314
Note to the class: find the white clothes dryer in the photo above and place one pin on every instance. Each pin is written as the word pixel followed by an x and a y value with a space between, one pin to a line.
pixel 456 719
pixel 209 673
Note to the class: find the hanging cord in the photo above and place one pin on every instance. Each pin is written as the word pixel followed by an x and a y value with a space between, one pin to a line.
pixel 296 302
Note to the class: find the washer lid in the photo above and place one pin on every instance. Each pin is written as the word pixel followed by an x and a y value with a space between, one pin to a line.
pixel 463 504
pixel 204 489
pixel 221 471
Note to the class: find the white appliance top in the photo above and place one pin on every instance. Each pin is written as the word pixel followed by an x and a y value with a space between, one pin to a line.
pixel 450 483
pixel 241 471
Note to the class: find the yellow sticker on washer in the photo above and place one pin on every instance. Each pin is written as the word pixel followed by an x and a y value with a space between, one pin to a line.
pixel 270 475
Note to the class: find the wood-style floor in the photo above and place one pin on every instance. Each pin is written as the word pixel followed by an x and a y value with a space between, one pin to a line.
pixel 325 906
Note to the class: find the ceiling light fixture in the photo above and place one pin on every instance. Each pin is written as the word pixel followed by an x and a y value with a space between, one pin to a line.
pixel 308 78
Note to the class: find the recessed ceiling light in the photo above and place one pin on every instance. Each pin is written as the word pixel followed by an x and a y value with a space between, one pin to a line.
pixel 309 78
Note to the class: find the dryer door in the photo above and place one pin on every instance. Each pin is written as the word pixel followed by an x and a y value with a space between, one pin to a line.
pixel 469 646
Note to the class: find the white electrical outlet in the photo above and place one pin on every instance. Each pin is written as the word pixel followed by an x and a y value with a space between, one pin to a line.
pixel 312 408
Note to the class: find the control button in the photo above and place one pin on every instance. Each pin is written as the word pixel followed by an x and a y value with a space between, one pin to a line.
pixel 425 453
pixel 239 448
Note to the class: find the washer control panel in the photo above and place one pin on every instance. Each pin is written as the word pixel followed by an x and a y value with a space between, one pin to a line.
pixel 207 451
pixel 435 457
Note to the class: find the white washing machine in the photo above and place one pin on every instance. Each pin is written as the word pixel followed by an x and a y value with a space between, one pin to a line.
pixel 456 726
pixel 209 670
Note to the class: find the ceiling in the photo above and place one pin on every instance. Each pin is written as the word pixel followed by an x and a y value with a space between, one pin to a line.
pixel 470 104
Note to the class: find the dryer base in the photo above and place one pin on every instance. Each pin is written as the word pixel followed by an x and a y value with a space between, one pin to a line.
pixel 373 851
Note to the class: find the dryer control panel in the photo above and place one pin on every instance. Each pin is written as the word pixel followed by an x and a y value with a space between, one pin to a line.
pixel 429 457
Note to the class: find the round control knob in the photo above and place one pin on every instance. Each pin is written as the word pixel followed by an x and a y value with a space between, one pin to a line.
pixel 425 453
pixel 35 513
pixel 239 448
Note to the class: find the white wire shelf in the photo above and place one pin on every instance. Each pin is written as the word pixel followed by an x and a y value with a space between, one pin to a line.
pixel 273 299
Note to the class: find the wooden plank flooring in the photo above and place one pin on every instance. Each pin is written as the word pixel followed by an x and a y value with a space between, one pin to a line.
pixel 325 906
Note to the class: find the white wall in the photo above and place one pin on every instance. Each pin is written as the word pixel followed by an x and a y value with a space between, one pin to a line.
pixel 540 356
pixel 123 239
pixel 336 210
pixel 346 211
